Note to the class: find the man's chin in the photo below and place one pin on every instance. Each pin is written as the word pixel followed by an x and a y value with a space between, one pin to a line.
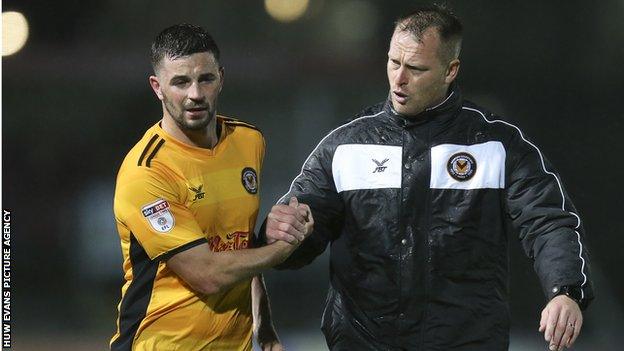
pixel 401 109
pixel 406 109
pixel 195 124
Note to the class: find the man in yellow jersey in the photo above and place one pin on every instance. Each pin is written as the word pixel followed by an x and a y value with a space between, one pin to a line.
pixel 186 203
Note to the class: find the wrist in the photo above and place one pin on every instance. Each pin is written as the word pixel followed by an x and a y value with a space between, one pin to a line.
pixel 284 249
pixel 575 293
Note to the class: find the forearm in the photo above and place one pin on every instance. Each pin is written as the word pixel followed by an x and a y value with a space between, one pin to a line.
pixel 211 272
pixel 229 267
pixel 549 228
pixel 561 259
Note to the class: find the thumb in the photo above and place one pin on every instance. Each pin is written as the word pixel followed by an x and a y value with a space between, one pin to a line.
pixel 293 202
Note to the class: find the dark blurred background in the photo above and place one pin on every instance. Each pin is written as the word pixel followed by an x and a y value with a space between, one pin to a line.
pixel 76 98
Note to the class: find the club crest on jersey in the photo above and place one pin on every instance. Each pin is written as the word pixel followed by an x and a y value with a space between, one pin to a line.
pixel 461 166
pixel 250 180
pixel 159 216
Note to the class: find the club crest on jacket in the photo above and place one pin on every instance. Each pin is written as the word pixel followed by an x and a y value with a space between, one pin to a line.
pixel 461 166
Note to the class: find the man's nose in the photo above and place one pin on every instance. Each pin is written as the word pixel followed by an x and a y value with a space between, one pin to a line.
pixel 401 76
pixel 195 92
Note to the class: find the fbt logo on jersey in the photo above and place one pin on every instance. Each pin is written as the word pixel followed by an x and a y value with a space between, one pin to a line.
pixel 159 216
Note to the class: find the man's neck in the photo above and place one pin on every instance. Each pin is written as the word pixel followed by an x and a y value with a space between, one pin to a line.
pixel 204 138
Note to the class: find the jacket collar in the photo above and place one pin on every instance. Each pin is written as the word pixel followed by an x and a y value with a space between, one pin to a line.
pixel 441 113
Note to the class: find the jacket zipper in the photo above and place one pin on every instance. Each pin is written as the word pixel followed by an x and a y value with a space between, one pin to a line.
pixel 427 228
pixel 401 229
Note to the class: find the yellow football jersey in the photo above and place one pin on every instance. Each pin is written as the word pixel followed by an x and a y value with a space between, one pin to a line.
pixel 171 196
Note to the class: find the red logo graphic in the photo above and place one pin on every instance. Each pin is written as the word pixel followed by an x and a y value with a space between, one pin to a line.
pixel 234 241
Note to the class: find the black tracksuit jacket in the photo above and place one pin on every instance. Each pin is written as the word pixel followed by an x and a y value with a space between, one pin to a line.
pixel 417 212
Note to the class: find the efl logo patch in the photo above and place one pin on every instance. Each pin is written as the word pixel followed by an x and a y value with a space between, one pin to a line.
pixel 461 166
pixel 250 180
pixel 159 216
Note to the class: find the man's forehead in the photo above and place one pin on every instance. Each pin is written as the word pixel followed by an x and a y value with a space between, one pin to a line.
pixel 201 61
pixel 406 42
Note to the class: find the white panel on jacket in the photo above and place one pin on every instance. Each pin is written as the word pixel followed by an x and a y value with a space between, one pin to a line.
pixel 366 166
pixel 477 166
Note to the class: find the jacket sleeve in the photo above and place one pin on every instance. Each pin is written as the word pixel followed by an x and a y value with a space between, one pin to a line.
pixel 549 227
pixel 315 187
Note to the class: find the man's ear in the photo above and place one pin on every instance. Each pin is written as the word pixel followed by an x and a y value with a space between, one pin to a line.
pixel 452 71
pixel 155 84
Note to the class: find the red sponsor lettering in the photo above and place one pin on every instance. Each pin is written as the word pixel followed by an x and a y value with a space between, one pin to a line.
pixel 234 241
pixel 161 206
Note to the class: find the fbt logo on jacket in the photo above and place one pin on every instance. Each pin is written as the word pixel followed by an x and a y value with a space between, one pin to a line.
pixel 367 166
pixel 380 165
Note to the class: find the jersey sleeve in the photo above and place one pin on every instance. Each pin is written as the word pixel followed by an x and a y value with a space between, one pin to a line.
pixel 148 204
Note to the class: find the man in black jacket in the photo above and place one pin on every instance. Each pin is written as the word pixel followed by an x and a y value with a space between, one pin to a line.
pixel 415 197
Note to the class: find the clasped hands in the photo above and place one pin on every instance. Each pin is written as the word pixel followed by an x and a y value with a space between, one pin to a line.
pixel 291 223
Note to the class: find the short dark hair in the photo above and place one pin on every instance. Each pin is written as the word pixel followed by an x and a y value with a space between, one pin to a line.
pixel 441 18
pixel 182 40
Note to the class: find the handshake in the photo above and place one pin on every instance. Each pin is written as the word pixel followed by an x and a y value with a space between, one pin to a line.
pixel 290 223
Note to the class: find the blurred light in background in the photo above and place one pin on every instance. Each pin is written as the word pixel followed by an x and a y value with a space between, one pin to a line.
pixel 349 32
pixel 14 32
pixel 286 10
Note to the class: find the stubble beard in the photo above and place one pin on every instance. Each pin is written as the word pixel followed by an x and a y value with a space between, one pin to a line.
pixel 412 108
pixel 418 104
pixel 190 125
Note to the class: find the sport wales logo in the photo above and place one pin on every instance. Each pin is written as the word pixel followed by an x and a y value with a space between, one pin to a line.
pixel 380 166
